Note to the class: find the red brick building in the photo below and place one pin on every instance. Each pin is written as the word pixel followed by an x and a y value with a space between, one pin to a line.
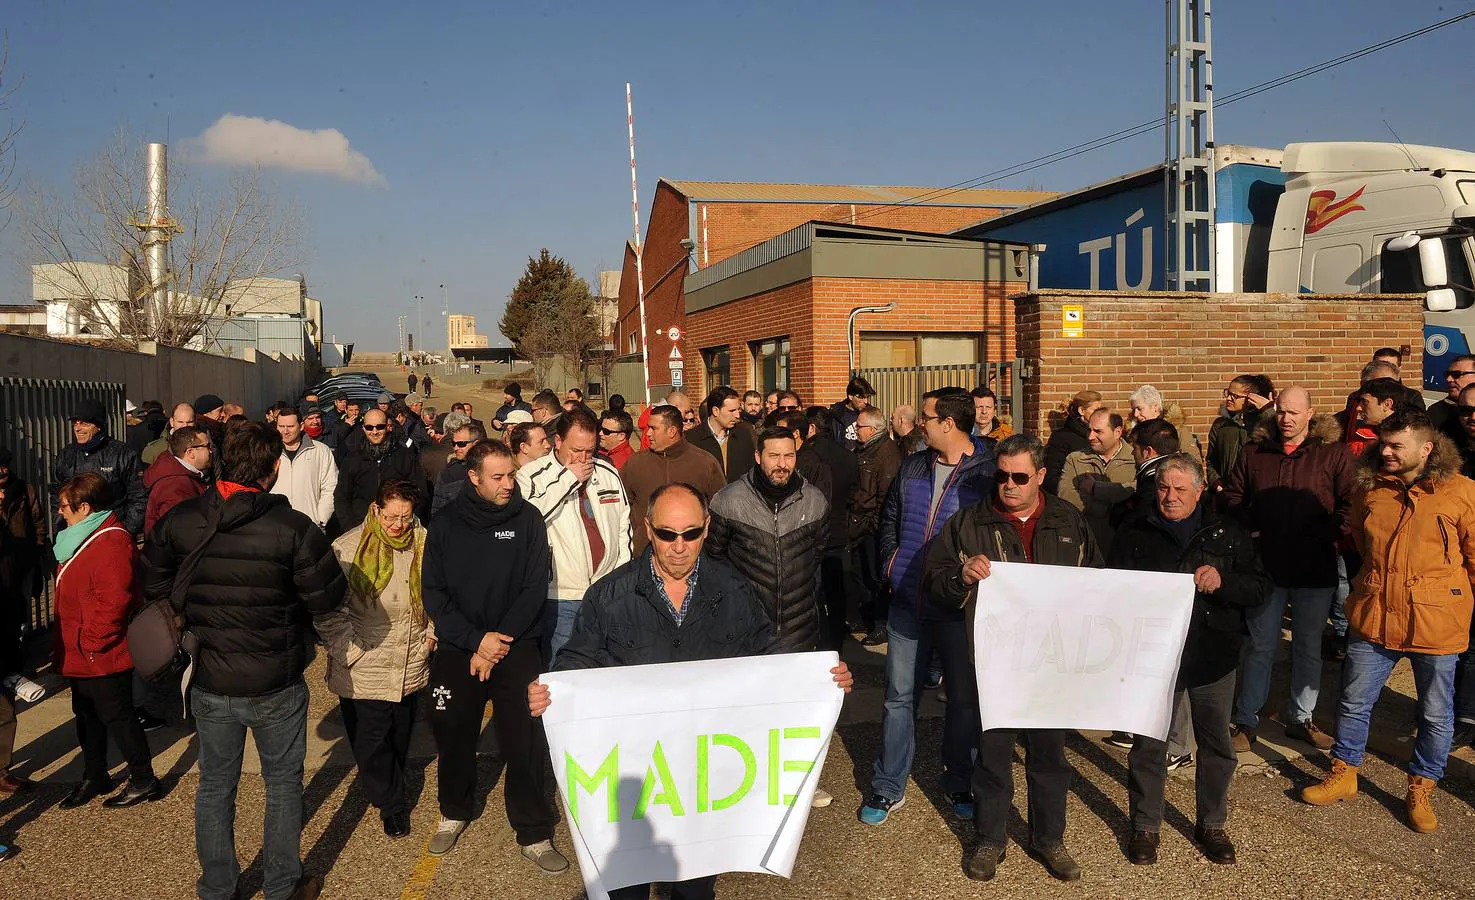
pixel 778 314
pixel 694 225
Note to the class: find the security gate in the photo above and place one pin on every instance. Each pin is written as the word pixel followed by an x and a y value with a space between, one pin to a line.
pixel 907 384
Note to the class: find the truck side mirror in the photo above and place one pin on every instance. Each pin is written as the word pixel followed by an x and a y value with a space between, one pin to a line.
pixel 1440 300
pixel 1406 241
pixel 1432 265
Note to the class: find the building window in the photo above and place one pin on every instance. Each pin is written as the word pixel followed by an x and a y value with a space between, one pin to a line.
pixel 632 344
pixel 771 364
pixel 888 350
pixel 717 365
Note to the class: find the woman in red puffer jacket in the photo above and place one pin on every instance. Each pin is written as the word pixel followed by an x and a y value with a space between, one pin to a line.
pixel 94 593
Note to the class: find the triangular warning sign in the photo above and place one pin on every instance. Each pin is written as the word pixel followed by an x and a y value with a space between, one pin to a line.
pixel 675 352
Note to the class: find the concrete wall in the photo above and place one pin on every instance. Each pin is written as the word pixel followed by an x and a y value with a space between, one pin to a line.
pixel 166 374
pixel 1190 345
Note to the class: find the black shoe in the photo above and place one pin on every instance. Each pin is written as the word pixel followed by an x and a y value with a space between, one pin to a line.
pixel 84 792
pixel 1120 739
pixel 134 795
pixel 308 887
pixel 1464 734
pixel 984 862
pixel 933 681
pixel 876 638
pixel 397 825
pixel 1215 844
pixel 149 722
pixel 1058 862
pixel 1142 848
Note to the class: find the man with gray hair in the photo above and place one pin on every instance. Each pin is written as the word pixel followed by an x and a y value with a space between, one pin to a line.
pixel 452 479
pixel 1147 403
pixel 1179 533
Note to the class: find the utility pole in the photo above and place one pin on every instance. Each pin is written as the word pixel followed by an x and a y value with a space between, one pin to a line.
pixel 1188 148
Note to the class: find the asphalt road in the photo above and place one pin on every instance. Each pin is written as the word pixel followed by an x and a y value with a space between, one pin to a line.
pixel 1286 849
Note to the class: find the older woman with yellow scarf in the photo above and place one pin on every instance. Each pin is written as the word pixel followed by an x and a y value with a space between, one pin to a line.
pixel 379 644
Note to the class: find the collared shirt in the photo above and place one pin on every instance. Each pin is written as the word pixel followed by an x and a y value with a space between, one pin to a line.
pixel 185 463
pixel 691 585
pixel 721 436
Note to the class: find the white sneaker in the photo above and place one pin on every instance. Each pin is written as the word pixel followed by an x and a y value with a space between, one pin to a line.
pixel 821 799
pixel 549 860
pixel 445 836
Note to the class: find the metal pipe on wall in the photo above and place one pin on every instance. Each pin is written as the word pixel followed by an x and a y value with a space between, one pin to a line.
pixel 850 331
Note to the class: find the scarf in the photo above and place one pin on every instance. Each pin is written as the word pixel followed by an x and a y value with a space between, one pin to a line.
pixel 775 494
pixel 314 431
pixel 71 538
pixel 373 562
pixel 377 452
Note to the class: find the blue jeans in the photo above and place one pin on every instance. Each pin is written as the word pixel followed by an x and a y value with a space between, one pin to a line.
pixel 907 656
pixel 278 724
pixel 1339 602
pixel 1364 672
pixel 558 626
pixel 1309 609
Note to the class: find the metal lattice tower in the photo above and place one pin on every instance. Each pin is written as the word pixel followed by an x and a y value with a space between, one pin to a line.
pixel 1188 148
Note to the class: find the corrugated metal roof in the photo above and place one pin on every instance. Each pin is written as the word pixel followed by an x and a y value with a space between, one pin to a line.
pixel 869 194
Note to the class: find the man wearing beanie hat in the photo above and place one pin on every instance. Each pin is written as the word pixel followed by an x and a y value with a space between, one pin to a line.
pixel 95 451
pixel 210 415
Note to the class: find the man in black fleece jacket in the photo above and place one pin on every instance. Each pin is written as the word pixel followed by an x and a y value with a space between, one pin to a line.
pixel 484 581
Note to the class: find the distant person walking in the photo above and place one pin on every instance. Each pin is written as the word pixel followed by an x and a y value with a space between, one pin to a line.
pixel 425 385
pixel 414 382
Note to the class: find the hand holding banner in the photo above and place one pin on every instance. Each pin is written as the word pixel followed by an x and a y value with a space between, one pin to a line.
pixel 1062 647
pixel 676 771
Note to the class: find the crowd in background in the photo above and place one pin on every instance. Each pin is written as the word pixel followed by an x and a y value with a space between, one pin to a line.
pixel 442 562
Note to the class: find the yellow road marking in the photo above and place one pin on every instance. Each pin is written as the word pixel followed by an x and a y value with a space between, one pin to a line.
pixel 418 887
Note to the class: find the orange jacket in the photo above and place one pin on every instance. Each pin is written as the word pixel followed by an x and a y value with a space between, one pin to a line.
pixel 1418 557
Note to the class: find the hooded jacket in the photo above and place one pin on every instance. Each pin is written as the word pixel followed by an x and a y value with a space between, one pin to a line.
pixel 309 480
pixel 649 469
pixel 624 621
pixel 377 647
pixel 876 466
pixel 1070 437
pixel 1227 439
pixel 250 601
pixel 169 484
pixel 95 590
pixel 486 569
pixel 556 493
pixel 1414 592
pixel 1297 506
pixel 1144 544
pixel 908 523
pixel 118 465
pixel 777 549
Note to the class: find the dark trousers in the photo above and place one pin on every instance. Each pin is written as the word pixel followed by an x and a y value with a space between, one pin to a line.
pixel 457 700
pixel 7 730
pixel 379 734
pixel 1046 773
pixel 104 706
pixel 833 594
pixel 1147 764
pixel 694 889
pixel 876 597
pixel 1465 683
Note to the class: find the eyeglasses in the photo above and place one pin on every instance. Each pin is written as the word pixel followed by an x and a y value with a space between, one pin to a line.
pixel 1465 412
pixel 689 417
pixel 921 419
pixel 201 447
pixel 459 444
pixel 1458 373
pixel 608 433
pixel 1231 395
pixel 376 427
pixel 397 520
pixel 787 407
pixel 1019 478
pixel 668 536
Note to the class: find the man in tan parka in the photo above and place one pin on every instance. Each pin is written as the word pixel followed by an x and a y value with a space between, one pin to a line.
pixel 1414 525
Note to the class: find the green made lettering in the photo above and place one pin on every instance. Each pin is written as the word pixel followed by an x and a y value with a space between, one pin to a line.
pixel 608 773
pixel 776 765
pixel 750 771
pixel 660 770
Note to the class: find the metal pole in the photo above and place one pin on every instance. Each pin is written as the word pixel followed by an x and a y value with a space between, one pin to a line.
pixel 639 268
pixel 156 239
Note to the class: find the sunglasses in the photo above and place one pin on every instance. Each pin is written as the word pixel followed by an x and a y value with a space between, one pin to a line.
pixel 668 536
pixel 1465 412
pixel 463 443
pixel 1019 478
pixel 1458 373
pixel 376 427
pixel 608 433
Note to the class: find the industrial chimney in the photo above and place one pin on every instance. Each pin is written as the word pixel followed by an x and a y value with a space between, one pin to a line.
pixel 158 229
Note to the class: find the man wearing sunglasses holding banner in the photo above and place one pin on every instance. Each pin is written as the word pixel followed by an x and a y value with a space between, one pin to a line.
pixel 1020 523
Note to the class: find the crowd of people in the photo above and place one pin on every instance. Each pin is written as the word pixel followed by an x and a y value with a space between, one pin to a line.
pixel 442 562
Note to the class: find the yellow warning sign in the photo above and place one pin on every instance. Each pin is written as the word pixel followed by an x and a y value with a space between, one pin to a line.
pixel 1072 320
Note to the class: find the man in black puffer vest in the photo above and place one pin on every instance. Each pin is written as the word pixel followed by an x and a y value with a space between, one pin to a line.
pixel 262 571
pixel 485 581
pixel 771 525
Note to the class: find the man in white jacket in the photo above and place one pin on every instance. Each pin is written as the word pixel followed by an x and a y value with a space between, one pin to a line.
pixel 309 473
pixel 587 512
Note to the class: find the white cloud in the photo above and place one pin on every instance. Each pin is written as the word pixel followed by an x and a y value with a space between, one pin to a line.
pixel 250 141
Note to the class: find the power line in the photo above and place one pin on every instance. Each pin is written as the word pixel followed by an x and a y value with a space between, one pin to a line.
pixel 1153 124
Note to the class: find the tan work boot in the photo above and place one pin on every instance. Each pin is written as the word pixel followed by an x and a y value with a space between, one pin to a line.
pixel 1421 804
pixel 1341 784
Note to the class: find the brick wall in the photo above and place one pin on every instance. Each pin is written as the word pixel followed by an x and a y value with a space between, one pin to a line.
pixel 664 305
pixel 813 313
pixel 734 227
pixel 1190 345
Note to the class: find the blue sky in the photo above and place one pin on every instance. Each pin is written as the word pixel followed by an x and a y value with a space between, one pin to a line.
pixel 500 128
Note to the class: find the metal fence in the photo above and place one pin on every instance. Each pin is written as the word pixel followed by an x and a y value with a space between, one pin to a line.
pixel 35 424
pixel 907 384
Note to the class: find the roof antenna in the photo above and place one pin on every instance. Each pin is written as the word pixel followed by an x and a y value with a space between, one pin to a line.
pixel 1413 162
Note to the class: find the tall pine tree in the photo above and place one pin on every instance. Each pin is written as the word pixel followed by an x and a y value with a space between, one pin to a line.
pixel 550 313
